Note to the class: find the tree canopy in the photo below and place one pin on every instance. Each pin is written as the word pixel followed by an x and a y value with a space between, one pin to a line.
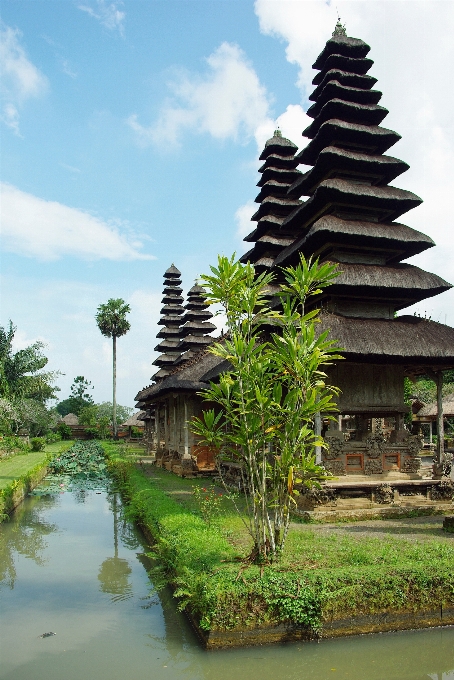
pixel 111 318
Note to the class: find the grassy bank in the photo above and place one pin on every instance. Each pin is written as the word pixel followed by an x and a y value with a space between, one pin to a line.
pixel 21 472
pixel 320 580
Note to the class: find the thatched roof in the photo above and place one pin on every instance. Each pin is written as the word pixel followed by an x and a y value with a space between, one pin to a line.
pixel 378 139
pixel 135 420
pixel 350 79
pixel 342 45
pixel 407 339
pixel 402 241
pixel 430 410
pixel 71 419
pixel 333 195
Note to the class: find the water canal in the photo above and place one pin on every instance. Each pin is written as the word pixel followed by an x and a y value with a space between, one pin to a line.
pixel 72 565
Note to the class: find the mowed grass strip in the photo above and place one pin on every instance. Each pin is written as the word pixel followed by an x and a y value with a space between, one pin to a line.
pixel 16 466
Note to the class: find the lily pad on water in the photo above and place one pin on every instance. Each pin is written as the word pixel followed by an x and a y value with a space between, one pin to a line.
pixel 80 468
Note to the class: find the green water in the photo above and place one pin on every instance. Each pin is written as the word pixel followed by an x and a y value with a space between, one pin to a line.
pixel 71 565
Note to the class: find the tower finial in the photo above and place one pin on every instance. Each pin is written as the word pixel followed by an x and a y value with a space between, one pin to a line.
pixel 339 29
pixel 277 133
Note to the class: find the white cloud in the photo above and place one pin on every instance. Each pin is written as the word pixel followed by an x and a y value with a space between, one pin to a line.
pixel 243 219
pixel 48 230
pixel 20 79
pixel 108 14
pixel 227 102
pixel 291 123
pixel 414 56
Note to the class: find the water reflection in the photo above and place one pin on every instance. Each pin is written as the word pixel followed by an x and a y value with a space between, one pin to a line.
pixel 129 633
pixel 25 536
pixel 114 572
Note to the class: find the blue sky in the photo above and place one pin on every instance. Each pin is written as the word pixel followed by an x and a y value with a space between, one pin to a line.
pixel 130 136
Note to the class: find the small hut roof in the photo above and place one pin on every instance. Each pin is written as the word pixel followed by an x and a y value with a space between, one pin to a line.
pixel 136 420
pixel 431 409
pixel 71 419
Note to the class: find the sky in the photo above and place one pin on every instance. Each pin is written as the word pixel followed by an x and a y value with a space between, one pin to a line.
pixel 130 135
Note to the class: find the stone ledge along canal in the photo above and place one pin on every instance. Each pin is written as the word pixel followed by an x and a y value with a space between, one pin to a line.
pixel 71 564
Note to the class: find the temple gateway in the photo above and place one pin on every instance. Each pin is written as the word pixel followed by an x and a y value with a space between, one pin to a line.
pixel 345 211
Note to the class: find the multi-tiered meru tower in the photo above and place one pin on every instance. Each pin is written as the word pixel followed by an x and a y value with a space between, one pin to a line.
pixel 170 321
pixel 348 216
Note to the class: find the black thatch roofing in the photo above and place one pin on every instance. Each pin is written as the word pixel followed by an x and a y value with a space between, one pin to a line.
pixel 272 188
pixel 187 377
pixel 403 284
pixel 344 78
pixel 284 175
pixel 170 299
pixel 337 61
pixel 397 241
pixel 368 138
pixel 335 90
pixel 278 145
pixel 406 339
pixel 172 272
pixel 336 195
pixel 272 205
pixel 172 309
pixel 377 169
pixel 347 111
pixel 276 160
pixel 342 44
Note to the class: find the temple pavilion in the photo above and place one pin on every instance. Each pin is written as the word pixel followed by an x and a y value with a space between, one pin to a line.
pixel 345 210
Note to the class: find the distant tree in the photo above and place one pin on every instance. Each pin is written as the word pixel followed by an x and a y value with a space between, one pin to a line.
pixel 105 410
pixel 112 322
pixel 78 399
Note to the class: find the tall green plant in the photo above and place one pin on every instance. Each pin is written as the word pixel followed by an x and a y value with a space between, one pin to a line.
pixel 112 322
pixel 266 404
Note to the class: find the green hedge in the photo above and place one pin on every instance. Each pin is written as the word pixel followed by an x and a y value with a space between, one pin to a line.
pixel 221 595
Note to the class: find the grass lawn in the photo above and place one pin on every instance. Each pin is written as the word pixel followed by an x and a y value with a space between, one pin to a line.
pixel 13 467
pixel 325 573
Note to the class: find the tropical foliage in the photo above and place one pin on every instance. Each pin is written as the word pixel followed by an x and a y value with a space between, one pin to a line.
pixel 267 402
pixel 25 387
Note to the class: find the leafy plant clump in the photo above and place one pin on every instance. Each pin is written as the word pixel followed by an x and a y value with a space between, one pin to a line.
pixel 82 467
pixel 37 443
pixel 269 403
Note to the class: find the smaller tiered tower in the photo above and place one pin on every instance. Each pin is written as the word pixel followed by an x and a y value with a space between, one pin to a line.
pixel 276 202
pixel 196 326
pixel 171 322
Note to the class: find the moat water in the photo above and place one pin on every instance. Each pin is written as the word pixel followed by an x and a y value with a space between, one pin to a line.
pixel 72 565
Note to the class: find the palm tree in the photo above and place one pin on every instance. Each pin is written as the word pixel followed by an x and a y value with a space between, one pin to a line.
pixel 112 322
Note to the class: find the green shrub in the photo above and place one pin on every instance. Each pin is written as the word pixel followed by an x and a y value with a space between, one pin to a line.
pixel 64 431
pixel 92 432
pixel 52 437
pixel 38 443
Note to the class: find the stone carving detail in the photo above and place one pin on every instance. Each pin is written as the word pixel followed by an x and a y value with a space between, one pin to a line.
pixel 384 493
pixel 410 465
pixel 414 444
pixel 335 447
pixel 443 491
pixel 373 467
pixel 375 444
pixel 335 467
